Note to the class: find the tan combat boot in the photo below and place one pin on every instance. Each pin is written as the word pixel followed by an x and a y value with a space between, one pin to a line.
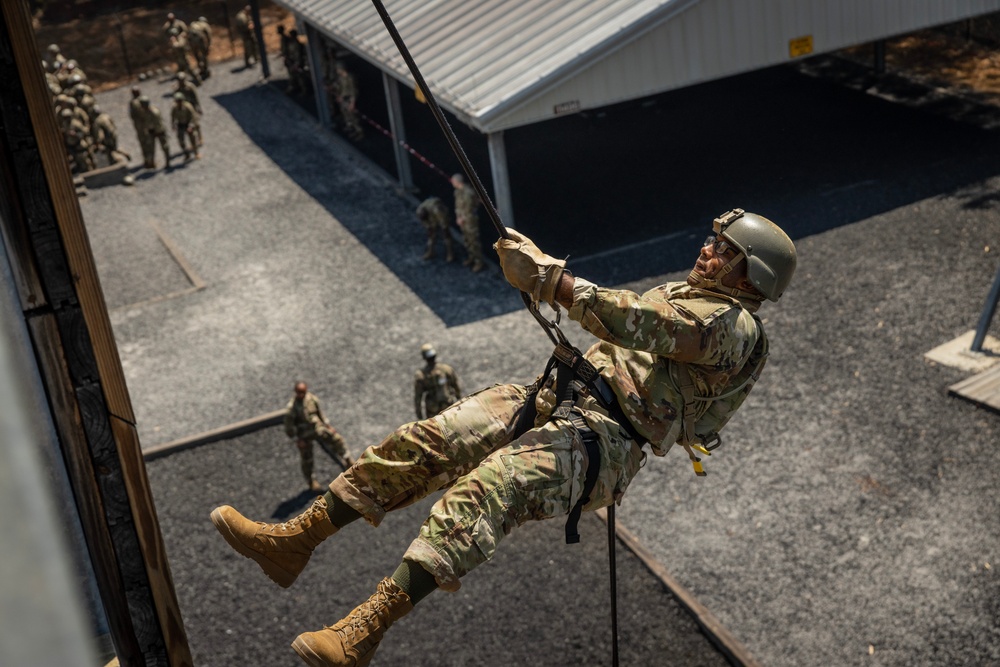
pixel 353 640
pixel 281 549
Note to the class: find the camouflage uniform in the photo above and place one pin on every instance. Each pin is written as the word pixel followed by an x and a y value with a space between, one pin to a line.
pixel 200 42
pixel 77 138
pixel 105 135
pixel 184 120
pixel 435 387
pixel 467 217
pixel 245 30
pixel 495 482
pixel 152 124
pixel 138 122
pixel 190 93
pixel 298 63
pixel 178 51
pixel 305 422
pixel 433 213
pixel 347 97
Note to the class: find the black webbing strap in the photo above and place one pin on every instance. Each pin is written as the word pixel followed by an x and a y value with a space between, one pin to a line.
pixel 593 468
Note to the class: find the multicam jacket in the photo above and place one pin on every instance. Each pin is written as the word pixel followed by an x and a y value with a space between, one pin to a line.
pixel 434 389
pixel 437 213
pixel 303 417
pixel 645 339
pixel 466 202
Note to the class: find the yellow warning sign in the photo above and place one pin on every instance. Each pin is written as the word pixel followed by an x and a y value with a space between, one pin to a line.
pixel 800 46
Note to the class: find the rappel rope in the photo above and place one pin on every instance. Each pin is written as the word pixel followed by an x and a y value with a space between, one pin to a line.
pixel 551 327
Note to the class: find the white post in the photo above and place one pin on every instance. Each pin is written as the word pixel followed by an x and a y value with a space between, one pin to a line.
pixel 398 131
pixel 501 179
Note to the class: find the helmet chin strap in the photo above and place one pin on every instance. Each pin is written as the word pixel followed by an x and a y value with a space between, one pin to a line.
pixel 715 284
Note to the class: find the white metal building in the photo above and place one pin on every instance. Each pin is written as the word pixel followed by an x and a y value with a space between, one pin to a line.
pixel 500 64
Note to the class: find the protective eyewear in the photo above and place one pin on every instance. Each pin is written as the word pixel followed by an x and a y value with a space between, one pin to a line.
pixel 720 247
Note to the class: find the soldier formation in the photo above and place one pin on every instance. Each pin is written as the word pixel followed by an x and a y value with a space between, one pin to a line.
pixel 87 131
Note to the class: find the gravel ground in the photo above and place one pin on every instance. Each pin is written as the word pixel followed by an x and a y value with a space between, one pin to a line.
pixel 851 519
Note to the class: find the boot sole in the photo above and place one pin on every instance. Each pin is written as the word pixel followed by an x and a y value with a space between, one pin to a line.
pixel 313 659
pixel 278 576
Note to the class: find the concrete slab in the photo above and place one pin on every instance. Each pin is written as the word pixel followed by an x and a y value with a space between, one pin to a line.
pixel 956 353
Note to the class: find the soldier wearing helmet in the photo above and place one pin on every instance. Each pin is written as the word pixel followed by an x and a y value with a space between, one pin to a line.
pixel 435 386
pixel 151 121
pixel 467 218
pixel 184 120
pixel 200 42
pixel 305 423
pixel 669 366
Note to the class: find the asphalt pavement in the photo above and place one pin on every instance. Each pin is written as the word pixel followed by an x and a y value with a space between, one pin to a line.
pixel 851 518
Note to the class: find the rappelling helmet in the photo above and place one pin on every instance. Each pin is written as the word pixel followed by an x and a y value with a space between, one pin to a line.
pixel 770 254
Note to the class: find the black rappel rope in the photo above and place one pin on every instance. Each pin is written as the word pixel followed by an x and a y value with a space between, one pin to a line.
pixel 551 328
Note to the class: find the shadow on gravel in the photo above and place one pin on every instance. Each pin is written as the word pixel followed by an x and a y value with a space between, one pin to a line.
pixel 386 226
pixel 293 506
pixel 638 183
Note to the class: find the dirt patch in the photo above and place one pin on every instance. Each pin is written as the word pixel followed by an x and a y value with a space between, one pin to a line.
pixel 958 57
pixel 115 48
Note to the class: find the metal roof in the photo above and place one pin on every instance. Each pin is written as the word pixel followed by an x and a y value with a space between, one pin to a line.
pixel 480 57
pixel 503 63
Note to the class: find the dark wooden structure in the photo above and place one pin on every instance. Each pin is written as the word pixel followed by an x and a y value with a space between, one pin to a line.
pixel 74 350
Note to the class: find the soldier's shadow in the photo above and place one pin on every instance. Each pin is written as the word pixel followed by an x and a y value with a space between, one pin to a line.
pixel 293 506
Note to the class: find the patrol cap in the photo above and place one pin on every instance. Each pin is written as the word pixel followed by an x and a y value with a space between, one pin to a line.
pixel 770 253
pixel 427 351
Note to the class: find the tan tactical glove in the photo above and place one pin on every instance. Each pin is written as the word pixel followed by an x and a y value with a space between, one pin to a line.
pixel 529 269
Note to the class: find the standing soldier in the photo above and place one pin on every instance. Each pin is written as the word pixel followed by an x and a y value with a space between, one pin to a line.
pixel 54 59
pixel 105 134
pixel 200 41
pixel 304 421
pixel 144 138
pixel 467 217
pixel 433 213
pixel 299 60
pixel 152 123
pixel 77 139
pixel 179 51
pixel 435 386
pixel 189 92
pixel 347 94
pixel 173 23
pixel 246 30
pixel 184 120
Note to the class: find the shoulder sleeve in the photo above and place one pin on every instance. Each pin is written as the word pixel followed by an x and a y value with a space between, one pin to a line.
pixel 649 323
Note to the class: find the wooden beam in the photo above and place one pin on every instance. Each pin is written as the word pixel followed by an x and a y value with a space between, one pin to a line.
pixel 79 363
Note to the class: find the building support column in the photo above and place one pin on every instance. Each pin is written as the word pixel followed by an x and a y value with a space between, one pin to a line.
pixel 501 177
pixel 403 171
pixel 317 67
pixel 879 60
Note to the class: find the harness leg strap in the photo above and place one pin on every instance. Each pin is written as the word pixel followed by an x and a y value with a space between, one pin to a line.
pixel 593 469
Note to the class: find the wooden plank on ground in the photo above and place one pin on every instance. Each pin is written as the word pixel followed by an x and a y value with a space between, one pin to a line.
pixel 982 388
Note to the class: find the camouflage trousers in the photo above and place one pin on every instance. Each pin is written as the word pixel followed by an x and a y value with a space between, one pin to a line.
pixel 329 440
pixel 470 237
pixel 493 482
